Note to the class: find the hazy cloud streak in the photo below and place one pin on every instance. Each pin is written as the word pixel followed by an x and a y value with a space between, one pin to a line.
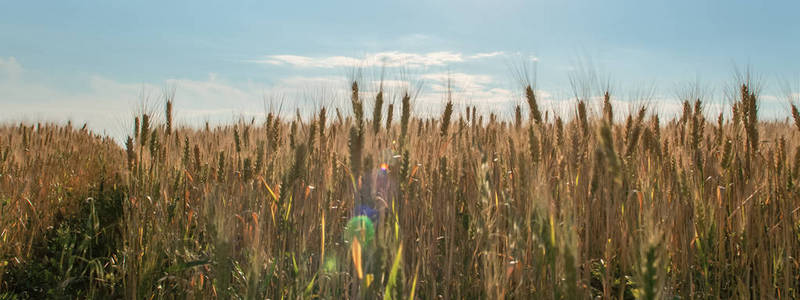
pixel 388 59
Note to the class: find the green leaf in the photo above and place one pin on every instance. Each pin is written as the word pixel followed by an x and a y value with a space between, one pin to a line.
pixel 390 285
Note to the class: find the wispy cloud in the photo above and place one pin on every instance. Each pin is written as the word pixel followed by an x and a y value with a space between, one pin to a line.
pixel 388 59
pixel 486 55
pixel 459 81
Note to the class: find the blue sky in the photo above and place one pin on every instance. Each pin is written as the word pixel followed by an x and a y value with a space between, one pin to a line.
pixel 93 61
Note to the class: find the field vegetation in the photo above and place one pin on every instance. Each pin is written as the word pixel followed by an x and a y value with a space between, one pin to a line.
pixel 348 203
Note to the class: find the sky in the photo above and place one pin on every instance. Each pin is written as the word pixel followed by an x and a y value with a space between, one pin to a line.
pixel 99 62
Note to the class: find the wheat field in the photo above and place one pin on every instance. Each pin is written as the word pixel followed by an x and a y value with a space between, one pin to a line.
pixel 600 203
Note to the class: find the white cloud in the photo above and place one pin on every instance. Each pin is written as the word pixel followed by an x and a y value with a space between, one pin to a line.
pixel 486 55
pixel 460 81
pixel 303 61
pixel 388 59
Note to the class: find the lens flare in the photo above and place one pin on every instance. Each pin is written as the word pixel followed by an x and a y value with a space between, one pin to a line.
pixel 360 228
pixel 369 212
